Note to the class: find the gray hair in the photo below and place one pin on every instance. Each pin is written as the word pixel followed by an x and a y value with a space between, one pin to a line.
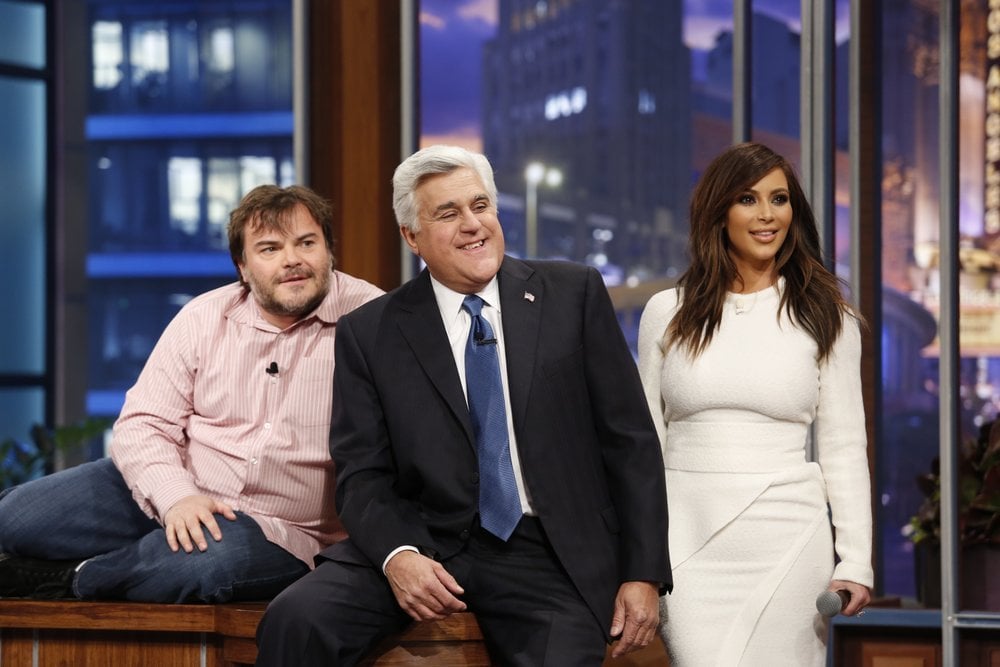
pixel 437 159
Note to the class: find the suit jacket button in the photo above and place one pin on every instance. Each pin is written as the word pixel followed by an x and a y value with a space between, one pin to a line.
pixel 464 535
pixel 475 478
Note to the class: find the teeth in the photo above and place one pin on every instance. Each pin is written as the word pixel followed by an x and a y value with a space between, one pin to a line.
pixel 473 246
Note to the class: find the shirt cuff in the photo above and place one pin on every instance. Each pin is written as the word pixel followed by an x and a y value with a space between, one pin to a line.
pixel 405 547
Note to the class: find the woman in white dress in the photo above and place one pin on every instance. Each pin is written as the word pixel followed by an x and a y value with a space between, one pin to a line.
pixel 751 355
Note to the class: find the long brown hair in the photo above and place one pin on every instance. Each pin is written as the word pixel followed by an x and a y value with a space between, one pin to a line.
pixel 812 296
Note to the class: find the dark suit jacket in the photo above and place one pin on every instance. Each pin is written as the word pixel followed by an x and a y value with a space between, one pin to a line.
pixel 405 453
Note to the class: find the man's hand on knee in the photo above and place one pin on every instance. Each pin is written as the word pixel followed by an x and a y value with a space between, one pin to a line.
pixel 423 588
pixel 183 522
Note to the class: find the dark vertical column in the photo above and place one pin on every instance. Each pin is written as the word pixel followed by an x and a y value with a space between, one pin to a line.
pixel 866 214
pixel 353 114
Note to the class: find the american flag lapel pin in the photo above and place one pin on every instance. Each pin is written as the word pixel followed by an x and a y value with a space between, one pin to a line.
pixel 528 296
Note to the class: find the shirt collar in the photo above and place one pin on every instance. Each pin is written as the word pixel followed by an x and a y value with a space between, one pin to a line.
pixel 247 311
pixel 450 302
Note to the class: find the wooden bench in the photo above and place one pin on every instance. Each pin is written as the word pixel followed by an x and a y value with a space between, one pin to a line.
pixel 132 634
pixel 77 633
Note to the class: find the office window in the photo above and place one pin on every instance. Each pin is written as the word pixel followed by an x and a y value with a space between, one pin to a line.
pixel 911 214
pixel 25 343
pixel 22 34
pixel 190 106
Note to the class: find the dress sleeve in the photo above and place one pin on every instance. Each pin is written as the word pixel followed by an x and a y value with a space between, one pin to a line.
pixel 652 326
pixel 842 453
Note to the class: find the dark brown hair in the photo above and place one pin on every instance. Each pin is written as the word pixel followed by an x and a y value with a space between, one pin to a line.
pixel 812 296
pixel 269 207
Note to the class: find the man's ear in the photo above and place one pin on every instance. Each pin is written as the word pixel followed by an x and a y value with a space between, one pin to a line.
pixel 410 238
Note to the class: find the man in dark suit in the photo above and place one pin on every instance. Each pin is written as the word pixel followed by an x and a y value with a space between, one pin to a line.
pixel 547 516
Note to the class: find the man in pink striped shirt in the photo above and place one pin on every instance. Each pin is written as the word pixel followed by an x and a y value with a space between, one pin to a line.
pixel 220 484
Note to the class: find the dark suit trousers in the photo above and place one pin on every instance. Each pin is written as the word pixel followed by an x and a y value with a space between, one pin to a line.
pixel 527 607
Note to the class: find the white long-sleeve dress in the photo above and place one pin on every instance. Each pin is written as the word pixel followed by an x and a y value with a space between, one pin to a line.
pixel 750 537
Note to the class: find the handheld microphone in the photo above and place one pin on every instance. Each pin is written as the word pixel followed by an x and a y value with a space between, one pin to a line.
pixel 272 370
pixel 831 603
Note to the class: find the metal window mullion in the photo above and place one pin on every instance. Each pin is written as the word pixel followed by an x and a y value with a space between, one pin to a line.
pixel 742 116
pixel 300 90
pixel 948 314
pixel 816 114
pixel 816 123
pixel 408 105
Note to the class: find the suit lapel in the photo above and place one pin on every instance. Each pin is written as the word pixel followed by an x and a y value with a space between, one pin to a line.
pixel 421 326
pixel 521 299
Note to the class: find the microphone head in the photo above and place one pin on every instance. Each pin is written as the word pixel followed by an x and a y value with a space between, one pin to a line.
pixel 830 603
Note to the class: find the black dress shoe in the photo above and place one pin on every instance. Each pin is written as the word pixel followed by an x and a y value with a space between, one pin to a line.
pixel 22 577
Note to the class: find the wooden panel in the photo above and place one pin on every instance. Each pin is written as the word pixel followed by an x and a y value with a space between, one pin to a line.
pixel 124 633
pixel 16 647
pixel 237 651
pixel 354 129
pixel 238 620
pixel 654 655
pixel 79 648
pixel 980 648
pixel 899 654
pixel 453 641
pixel 457 627
pixel 433 654
pixel 106 615
pixel 99 649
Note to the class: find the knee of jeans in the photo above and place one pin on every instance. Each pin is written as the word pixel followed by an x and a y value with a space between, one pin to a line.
pixel 214 575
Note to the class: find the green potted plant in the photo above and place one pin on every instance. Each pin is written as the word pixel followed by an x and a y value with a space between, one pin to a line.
pixel 978 523
pixel 22 461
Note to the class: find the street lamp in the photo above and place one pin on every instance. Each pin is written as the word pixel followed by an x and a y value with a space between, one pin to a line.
pixel 536 173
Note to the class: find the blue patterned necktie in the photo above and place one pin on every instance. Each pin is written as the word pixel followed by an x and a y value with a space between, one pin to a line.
pixel 499 505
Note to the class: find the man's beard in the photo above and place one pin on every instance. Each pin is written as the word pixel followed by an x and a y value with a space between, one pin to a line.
pixel 294 306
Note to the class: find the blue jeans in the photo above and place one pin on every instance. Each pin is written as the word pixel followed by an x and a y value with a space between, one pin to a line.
pixel 88 512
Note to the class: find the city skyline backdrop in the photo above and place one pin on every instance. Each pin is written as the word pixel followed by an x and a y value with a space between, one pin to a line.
pixel 453 33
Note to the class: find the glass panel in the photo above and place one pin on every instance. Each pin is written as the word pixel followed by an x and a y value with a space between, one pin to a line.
pixel 190 107
pixel 191 57
pixel 108 54
pixel 174 195
pixel 979 304
pixel 22 34
pixel 775 74
pixel 149 60
pixel 708 33
pixel 20 409
pixel 22 224
pixel 128 316
pixel 908 477
pixel 842 175
pixel 910 217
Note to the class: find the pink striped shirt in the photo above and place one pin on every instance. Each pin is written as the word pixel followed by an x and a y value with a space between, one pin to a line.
pixel 205 416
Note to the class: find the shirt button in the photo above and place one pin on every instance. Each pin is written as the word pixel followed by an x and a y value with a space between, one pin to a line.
pixel 267 425
pixel 254 460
